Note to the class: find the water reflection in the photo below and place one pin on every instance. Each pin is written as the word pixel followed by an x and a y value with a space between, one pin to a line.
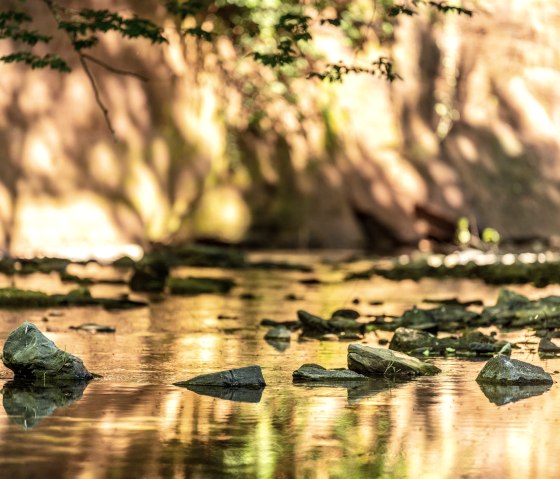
pixel 356 390
pixel 280 346
pixel 229 394
pixel 501 395
pixel 134 423
pixel 27 403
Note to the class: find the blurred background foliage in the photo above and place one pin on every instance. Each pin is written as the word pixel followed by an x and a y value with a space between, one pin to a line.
pixel 222 127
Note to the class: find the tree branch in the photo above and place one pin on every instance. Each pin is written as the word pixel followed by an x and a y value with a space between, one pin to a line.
pixel 113 69
pixel 97 95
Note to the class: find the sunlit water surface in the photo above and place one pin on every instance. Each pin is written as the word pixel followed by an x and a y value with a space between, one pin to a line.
pixel 133 423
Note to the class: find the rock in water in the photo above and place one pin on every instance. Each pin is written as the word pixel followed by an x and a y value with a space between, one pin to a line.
pixel 384 362
pixel 279 333
pixel 314 372
pixel 546 346
pixel 503 370
pixel 31 355
pixel 407 339
pixel 248 377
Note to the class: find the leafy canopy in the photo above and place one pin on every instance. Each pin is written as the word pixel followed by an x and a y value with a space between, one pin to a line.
pixel 275 33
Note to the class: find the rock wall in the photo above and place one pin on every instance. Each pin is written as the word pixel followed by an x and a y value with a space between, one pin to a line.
pixel 205 148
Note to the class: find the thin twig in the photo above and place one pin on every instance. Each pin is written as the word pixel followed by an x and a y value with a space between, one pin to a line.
pixel 113 69
pixel 98 98
pixel 53 9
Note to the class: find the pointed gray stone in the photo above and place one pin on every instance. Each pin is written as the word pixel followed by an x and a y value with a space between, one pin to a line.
pixel 503 370
pixel 31 355
pixel 248 377
pixel 384 362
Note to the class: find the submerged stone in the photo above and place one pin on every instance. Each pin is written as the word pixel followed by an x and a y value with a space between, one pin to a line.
pixel 412 341
pixel 316 326
pixel 18 298
pixel 345 313
pixel 246 377
pixel 384 362
pixel 28 403
pixel 314 372
pixel 192 285
pixel 503 370
pixel 31 355
pixel 150 274
pixel 94 328
pixel 546 346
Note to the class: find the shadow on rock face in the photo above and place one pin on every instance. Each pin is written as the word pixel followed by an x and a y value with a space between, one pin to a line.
pixel 28 403
pixel 230 394
pixel 501 394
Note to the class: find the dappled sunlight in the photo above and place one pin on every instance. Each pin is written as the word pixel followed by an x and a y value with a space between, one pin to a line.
pixel 61 228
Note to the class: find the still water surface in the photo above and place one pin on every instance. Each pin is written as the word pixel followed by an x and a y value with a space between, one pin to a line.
pixel 133 423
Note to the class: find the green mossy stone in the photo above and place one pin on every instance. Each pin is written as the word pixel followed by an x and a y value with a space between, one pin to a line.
pixel 192 285
pixel 384 362
pixel 19 298
pixel 32 356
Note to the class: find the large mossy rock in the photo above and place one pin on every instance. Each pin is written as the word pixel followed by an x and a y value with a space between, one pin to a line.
pixel 384 362
pixel 249 377
pixel 32 356
pixel 504 370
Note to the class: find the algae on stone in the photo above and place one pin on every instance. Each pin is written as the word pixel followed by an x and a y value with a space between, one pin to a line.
pixel 506 371
pixel 201 285
pixel 384 362
pixel 32 356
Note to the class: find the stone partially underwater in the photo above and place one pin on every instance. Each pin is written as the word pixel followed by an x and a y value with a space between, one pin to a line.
pixel 473 343
pixel 316 373
pixel 27 403
pixel 32 356
pixel 242 384
pixel 502 370
pixel 384 362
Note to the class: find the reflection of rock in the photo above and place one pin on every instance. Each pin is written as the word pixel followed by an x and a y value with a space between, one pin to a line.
pixel 230 394
pixel 28 403
pixel 384 362
pixel 248 377
pixel 500 394
pixel 356 390
pixel 31 355
pixel 280 346
pixel 503 370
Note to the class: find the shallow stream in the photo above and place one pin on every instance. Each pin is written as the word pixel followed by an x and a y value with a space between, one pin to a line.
pixel 133 423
